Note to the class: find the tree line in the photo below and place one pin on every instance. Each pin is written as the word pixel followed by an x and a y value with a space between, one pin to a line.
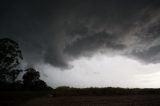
pixel 107 91
pixel 10 60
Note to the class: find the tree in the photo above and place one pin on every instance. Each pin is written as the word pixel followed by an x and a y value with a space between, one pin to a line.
pixel 30 77
pixel 10 56
pixel 31 80
pixel 39 85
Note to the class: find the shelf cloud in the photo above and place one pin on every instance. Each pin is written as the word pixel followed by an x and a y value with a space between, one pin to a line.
pixel 57 32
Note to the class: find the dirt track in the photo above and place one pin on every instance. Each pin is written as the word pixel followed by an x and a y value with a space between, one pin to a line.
pixel 140 100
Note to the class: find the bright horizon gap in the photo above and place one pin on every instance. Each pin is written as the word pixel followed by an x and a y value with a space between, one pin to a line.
pixel 103 71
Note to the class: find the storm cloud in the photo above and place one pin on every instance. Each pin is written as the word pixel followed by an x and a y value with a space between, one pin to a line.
pixel 55 32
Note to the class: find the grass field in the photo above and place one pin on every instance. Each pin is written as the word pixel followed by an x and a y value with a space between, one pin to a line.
pixel 136 100
pixel 14 98
pixel 42 99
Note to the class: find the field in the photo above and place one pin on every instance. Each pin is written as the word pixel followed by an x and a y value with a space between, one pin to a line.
pixel 136 100
pixel 42 99
pixel 14 98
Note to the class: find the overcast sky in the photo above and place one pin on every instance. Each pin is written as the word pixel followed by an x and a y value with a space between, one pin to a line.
pixel 84 43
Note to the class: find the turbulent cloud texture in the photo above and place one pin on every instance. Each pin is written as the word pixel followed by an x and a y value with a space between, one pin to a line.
pixel 58 31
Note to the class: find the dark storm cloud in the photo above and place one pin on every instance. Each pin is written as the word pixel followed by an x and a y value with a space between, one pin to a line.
pixel 100 40
pixel 29 23
pixel 152 55
pixel 52 31
pixel 54 57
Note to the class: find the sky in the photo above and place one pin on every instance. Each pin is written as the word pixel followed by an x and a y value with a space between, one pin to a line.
pixel 87 43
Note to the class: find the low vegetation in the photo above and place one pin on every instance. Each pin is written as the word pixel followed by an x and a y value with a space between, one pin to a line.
pixel 109 91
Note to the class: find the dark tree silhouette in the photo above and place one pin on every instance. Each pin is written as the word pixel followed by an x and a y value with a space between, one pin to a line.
pixel 10 56
pixel 30 77
pixel 39 85
pixel 31 80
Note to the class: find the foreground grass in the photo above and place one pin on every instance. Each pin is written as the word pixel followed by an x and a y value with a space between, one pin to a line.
pixel 65 96
pixel 14 98
pixel 130 100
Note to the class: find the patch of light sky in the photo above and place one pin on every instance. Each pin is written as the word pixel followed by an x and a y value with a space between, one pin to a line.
pixel 103 71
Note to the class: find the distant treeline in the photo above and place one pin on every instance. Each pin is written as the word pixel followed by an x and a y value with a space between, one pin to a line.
pixel 109 91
